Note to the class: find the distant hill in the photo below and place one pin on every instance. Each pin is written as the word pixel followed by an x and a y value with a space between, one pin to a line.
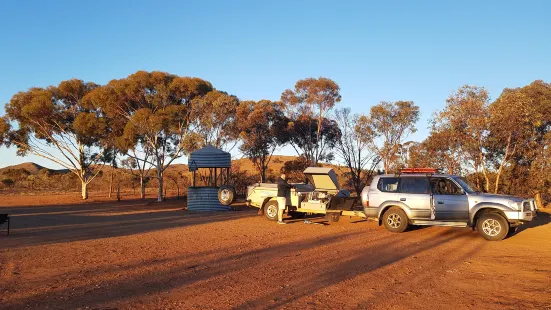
pixel 244 164
pixel 32 168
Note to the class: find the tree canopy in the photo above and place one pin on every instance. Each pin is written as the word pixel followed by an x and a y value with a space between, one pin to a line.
pixel 391 123
pixel 308 105
pixel 262 129
pixel 156 108
pixel 56 123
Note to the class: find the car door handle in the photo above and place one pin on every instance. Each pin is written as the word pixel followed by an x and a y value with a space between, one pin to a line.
pixel 402 199
pixel 440 202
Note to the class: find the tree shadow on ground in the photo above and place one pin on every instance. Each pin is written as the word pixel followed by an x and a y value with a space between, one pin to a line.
pixel 363 262
pixel 187 270
pixel 57 224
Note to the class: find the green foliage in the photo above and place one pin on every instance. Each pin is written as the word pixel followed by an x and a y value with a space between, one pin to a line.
pixel 150 114
pixel 306 106
pixel 4 130
pixel 314 145
pixel 294 169
pixel 262 129
pixel 58 118
pixel 213 119
pixel 353 148
pixel 391 122
pixel 312 97
pixel 240 179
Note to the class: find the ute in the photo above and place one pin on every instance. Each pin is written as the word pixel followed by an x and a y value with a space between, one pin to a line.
pixel 321 194
pixel 422 196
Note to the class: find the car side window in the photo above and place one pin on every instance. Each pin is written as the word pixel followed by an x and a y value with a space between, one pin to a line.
pixel 444 186
pixel 414 185
pixel 388 184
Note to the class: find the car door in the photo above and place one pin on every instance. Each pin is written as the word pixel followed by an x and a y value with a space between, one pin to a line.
pixel 449 200
pixel 414 191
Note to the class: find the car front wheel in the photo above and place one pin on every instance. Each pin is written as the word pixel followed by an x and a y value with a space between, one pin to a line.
pixel 492 226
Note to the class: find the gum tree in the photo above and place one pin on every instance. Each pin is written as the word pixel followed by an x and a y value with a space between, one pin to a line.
pixel 262 129
pixel 213 120
pixel 150 115
pixel 391 123
pixel 310 101
pixel 353 147
pixel 466 117
pixel 56 124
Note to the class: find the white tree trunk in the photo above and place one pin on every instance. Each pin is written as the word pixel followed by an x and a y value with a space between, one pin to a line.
pixel 485 173
pixel 84 190
pixel 142 188
pixel 503 161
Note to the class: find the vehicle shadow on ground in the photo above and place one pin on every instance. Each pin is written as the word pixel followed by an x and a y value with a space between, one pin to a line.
pixel 363 262
pixel 183 271
pixel 57 224
pixel 543 218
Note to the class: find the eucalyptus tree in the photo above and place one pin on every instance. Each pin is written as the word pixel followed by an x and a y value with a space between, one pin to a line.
pixel 353 147
pixel 308 105
pixel 55 123
pixel 391 123
pixel 262 129
pixel 150 116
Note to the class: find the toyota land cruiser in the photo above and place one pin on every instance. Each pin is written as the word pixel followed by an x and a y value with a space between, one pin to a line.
pixel 422 197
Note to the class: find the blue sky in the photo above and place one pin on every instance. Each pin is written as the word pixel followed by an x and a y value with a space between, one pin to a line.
pixel 383 50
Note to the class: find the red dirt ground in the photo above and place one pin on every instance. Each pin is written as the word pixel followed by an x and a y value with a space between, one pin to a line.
pixel 135 254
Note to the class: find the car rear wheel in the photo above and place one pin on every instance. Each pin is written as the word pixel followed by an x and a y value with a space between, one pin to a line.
pixel 395 220
pixel 492 226
pixel 270 210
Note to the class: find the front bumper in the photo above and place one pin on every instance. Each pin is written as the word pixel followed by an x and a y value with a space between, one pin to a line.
pixel 529 212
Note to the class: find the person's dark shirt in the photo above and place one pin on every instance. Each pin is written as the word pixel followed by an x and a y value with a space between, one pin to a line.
pixel 282 187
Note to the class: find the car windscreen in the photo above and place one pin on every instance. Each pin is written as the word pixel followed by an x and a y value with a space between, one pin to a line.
pixel 464 184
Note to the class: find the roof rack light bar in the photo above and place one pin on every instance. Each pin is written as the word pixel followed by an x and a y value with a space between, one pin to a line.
pixel 418 170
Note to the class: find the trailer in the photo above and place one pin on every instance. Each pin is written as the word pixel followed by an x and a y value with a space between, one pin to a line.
pixel 320 195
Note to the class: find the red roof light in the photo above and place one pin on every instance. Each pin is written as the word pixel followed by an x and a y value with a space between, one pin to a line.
pixel 419 170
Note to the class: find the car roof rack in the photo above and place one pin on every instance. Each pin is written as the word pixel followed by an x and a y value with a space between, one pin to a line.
pixel 427 171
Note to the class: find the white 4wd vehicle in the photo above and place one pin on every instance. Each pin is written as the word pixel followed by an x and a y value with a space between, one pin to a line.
pixel 419 197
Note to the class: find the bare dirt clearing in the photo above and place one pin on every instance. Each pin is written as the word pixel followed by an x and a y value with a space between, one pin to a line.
pixel 142 255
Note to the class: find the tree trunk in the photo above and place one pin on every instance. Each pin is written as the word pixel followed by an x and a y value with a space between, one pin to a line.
pixel 505 157
pixel 263 174
pixel 84 190
pixel 539 201
pixel 160 179
pixel 485 172
pixel 111 183
pixel 142 188
pixel 119 192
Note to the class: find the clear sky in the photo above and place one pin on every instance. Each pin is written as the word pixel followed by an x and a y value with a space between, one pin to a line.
pixel 375 50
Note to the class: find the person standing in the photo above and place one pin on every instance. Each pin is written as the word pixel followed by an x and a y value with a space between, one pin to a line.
pixel 283 191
